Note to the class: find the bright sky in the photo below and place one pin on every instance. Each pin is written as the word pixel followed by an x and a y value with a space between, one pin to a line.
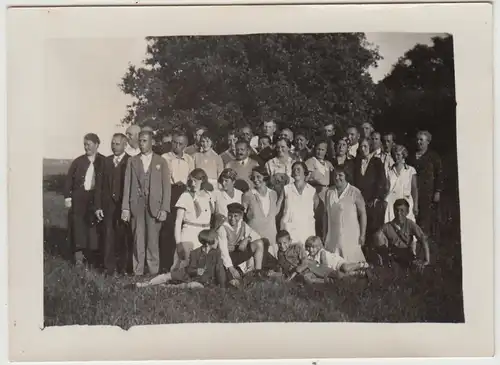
pixel 82 93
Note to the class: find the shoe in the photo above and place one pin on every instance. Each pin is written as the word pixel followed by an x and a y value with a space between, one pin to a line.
pixel 235 283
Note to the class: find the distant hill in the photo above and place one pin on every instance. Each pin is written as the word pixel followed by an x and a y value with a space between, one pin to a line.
pixel 53 166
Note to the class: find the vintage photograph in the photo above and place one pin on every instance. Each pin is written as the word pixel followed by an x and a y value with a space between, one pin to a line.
pixel 251 178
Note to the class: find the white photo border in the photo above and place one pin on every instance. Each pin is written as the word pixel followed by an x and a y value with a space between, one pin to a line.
pixel 471 26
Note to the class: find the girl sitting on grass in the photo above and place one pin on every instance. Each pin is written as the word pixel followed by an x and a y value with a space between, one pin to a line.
pixel 205 267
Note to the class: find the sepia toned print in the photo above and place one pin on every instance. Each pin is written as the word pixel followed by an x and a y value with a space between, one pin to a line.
pixel 319 149
pixel 335 287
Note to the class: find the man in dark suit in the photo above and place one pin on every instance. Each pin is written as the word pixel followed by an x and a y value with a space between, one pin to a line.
pixel 108 205
pixel 146 202
pixel 79 198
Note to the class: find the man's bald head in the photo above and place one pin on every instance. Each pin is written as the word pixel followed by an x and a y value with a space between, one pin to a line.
pixel 132 133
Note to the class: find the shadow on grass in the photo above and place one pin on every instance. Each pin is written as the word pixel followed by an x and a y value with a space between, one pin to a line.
pixel 54 183
pixel 56 242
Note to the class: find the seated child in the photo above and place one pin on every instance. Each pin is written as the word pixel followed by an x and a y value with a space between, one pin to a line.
pixel 395 240
pixel 205 266
pixel 322 264
pixel 239 243
pixel 290 255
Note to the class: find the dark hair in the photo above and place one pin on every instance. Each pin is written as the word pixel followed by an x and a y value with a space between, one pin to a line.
pixel 375 132
pixel 146 133
pixel 302 132
pixel 288 143
pixel 179 133
pixel 262 171
pixel 320 141
pixel 304 166
pixel 265 136
pixel 207 237
pixel 400 202
pixel 200 174
pixel 242 141
pixel 92 137
pixel 352 126
pixel 227 174
pixel 232 132
pixel 281 234
pixel 390 134
pixel 340 169
pixel 209 135
pixel 121 135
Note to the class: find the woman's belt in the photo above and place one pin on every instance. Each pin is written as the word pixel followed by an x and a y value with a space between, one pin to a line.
pixel 200 225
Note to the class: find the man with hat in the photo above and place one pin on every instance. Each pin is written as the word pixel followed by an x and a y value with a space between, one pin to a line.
pixel 238 242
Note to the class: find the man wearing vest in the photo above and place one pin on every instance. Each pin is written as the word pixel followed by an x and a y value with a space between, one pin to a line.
pixel 108 205
pixel 238 242
pixel 146 202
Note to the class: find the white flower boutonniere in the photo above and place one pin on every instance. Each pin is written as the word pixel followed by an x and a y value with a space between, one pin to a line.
pixel 158 167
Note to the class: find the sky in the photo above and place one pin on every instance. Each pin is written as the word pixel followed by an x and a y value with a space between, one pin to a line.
pixel 82 93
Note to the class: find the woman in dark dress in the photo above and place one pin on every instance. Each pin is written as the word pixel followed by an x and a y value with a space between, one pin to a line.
pixel 343 159
pixel 430 182
pixel 79 198
pixel 370 178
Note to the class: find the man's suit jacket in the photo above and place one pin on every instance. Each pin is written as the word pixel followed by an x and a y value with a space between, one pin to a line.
pixel 158 189
pixel 109 183
pixel 373 184
pixel 75 178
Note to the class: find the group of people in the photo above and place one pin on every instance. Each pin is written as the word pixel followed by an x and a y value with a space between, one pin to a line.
pixel 273 203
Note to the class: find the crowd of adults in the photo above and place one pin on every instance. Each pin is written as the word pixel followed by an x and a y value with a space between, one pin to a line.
pixel 357 195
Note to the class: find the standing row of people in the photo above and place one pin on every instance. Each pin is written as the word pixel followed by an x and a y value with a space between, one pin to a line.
pixel 150 209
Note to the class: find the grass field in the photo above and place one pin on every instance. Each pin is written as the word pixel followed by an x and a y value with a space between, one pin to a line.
pixel 73 295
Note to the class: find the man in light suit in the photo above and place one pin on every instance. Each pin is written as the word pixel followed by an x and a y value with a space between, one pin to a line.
pixel 146 203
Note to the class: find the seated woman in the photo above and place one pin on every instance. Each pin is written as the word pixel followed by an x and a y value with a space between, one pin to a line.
pixel 239 243
pixel 395 240
pixel 205 267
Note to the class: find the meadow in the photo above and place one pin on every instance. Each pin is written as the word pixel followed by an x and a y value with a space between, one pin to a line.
pixel 75 295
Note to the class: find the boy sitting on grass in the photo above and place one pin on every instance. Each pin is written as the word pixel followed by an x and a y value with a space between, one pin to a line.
pixel 205 267
pixel 395 240
pixel 313 264
pixel 239 243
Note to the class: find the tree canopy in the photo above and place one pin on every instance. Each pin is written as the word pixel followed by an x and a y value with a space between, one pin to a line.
pixel 419 93
pixel 227 81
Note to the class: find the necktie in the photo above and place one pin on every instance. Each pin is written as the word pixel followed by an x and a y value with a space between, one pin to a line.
pixel 197 208
pixel 116 160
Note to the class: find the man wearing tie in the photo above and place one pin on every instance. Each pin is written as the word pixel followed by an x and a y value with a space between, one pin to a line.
pixel 79 198
pixel 180 165
pixel 108 205
pixel 146 202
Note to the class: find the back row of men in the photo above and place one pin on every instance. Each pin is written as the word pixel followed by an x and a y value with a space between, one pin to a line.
pixel 122 208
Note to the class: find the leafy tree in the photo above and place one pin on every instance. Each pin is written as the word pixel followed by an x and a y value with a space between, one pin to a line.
pixel 227 81
pixel 419 93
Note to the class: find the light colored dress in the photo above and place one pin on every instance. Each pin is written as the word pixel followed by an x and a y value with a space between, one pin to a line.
pixel 343 231
pixel 222 200
pixel 261 214
pixel 211 163
pixel 320 174
pixel 275 166
pixel 400 188
pixel 193 223
pixel 298 215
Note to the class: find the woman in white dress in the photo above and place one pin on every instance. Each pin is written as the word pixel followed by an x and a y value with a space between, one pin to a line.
pixel 345 219
pixel 228 193
pixel 194 212
pixel 300 202
pixel 403 184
